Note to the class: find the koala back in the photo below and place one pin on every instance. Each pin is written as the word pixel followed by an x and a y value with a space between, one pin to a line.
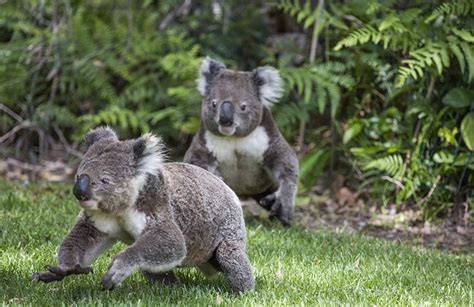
pixel 203 207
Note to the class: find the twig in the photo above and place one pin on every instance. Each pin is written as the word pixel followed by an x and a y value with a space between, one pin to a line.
pixel 314 40
pixel 68 13
pixel 66 145
pixel 14 130
pixel 22 165
pixel 182 10
pixel 10 112
pixel 430 192
pixel 312 58
pixel 129 24
pixel 353 19
pixel 378 94
pixel 396 182
pixel 429 93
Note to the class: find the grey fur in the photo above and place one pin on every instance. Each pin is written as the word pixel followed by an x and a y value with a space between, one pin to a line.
pixel 171 214
pixel 263 165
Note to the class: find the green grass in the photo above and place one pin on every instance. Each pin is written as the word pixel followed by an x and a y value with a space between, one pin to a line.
pixel 292 266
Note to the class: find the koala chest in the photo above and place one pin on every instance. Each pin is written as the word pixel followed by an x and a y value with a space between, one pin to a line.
pixel 240 160
pixel 126 226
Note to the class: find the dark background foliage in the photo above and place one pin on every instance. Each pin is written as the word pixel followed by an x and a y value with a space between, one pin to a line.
pixel 378 91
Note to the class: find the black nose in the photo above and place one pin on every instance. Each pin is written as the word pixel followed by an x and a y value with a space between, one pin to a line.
pixel 226 117
pixel 81 189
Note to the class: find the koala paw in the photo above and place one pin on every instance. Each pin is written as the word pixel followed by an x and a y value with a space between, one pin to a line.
pixel 55 273
pixel 273 203
pixel 115 275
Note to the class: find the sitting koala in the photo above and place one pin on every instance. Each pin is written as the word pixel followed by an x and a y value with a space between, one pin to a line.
pixel 238 139
pixel 171 214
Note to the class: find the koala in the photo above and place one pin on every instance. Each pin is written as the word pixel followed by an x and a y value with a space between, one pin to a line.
pixel 170 214
pixel 238 139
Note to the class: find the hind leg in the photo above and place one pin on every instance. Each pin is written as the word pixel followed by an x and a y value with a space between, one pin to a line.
pixel 167 278
pixel 233 261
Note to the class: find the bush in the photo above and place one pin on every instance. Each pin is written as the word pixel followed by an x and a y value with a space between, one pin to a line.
pixel 387 95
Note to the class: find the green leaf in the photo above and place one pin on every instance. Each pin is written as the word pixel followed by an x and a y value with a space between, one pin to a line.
pixel 352 132
pixel 459 97
pixel 467 130
pixel 388 22
pixel 312 165
pixel 468 37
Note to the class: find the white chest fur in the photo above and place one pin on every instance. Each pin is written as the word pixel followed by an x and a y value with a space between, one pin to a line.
pixel 131 222
pixel 226 149
pixel 240 160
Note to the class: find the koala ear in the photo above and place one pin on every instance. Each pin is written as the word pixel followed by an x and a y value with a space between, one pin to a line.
pixel 100 133
pixel 208 71
pixel 148 153
pixel 269 85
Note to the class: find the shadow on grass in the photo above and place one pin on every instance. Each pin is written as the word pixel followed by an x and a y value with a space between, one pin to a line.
pixel 18 287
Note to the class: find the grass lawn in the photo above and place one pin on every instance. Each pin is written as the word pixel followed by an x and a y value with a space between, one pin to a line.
pixel 291 266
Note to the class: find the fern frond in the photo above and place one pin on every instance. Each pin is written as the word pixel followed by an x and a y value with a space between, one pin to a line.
pixel 305 14
pixel 322 83
pixel 457 7
pixel 392 165
pixel 436 55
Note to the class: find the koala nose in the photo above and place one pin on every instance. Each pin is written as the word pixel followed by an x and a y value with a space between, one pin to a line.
pixel 81 189
pixel 226 116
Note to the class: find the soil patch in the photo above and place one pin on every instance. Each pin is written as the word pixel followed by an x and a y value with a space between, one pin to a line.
pixel 317 212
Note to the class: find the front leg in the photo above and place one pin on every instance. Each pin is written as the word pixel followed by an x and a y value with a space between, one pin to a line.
pixel 199 155
pixel 160 248
pixel 282 163
pixel 78 250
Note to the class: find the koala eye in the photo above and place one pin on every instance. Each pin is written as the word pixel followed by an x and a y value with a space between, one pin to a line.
pixel 243 107
pixel 214 103
pixel 104 180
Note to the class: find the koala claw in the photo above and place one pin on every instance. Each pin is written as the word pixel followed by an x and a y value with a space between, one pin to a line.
pixel 107 283
pixel 268 201
pixel 55 273
pixel 116 273
pixel 285 220
pixel 273 203
pixel 112 280
pixel 46 277
pixel 77 269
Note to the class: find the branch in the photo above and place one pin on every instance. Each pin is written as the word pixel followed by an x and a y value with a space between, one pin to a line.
pixel 429 93
pixel 314 41
pixel 312 57
pixel 182 10
pixel 66 145
pixel 10 112
pixel 14 130
pixel 431 191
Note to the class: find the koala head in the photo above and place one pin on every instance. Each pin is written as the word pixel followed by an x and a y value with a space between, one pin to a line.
pixel 234 100
pixel 112 172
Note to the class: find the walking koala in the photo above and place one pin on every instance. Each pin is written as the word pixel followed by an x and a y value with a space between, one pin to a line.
pixel 171 214
pixel 238 139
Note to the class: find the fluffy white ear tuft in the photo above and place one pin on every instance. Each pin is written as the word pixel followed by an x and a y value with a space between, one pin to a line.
pixel 148 153
pixel 208 71
pixel 100 133
pixel 269 84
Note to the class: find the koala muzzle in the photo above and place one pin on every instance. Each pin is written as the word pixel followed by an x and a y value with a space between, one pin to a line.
pixel 226 116
pixel 81 189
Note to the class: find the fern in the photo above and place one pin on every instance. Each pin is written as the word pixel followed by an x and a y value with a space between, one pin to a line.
pixel 116 116
pixel 457 7
pixel 392 165
pixel 304 14
pixel 436 55
pixel 392 31
pixel 320 83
